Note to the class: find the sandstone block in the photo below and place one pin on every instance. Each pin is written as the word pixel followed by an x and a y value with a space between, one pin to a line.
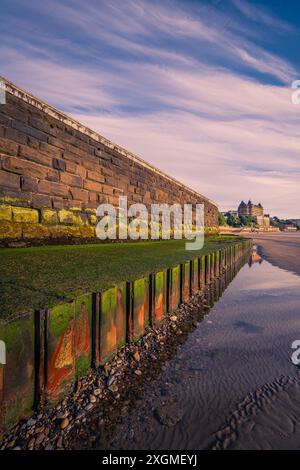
pixel 71 180
pixel 24 167
pixel 87 231
pixel 80 171
pixel 58 164
pixel 25 129
pixel 9 147
pixel 26 215
pixel 79 194
pixel 49 216
pixel 93 219
pixel 5 212
pixel 15 136
pixel 35 155
pixel 10 230
pixel 29 184
pixel 68 217
pixel 35 231
pixel 41 200
pixel 95 176
pixel 64 231
pixel 53 188
pixel 92 186
pixel 50 150
pixel 9 180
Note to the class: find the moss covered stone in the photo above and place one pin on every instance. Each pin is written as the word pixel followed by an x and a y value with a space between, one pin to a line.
pixel 87 231
pixel 35 231
pixel 24 214
pixel 10 230
pixel 5 212
pixel 69 217
pixel 62 231
pixel 49 216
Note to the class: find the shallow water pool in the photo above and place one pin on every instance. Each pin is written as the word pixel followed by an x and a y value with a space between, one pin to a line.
pixel 232 384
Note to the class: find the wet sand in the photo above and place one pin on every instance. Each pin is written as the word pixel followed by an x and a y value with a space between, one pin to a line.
pixel 282 250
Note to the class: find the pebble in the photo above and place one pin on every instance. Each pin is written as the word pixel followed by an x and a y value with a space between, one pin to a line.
pixel 97 392
pixel 40 438
pixel 49 447
pixel 80 414
pixel 138 372
pixel 89 406
pixel 31 422
pixel 31 444
pixel 113 388
pixel 173 318
pixel 62 415
pixel 93 399
pixel 110 380
pixel 64 423
pixel 136 356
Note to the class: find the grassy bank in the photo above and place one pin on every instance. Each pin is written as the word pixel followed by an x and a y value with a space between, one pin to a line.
pixel 43 276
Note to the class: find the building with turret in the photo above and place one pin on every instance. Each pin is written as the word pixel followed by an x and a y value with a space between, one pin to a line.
pixel 250 209
pixel 256 211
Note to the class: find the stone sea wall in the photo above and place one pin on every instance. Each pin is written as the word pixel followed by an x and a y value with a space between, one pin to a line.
pixel 54 172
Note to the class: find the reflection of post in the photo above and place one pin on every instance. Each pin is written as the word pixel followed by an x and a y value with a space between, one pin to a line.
pixel 1 393
pixel 254 257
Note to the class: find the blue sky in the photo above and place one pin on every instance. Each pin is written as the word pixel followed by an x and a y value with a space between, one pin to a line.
pixel 200 89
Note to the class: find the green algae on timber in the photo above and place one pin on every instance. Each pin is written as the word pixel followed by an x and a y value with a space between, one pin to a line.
pixel 112 321
pixel 40 277
pixel 60 317
pixel 18 384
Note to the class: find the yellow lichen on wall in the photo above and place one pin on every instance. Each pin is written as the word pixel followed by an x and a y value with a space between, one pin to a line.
pixel 68 217
pixel 35 231
pixel 22 223
pixel 5 212
pixel 49 216
pixel 26 215
pixel 10 230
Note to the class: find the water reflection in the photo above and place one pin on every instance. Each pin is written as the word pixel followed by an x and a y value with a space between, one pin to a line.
pixel 254 256
pixel 233 379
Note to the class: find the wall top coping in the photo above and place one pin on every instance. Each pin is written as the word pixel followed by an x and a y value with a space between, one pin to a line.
pixel 56 114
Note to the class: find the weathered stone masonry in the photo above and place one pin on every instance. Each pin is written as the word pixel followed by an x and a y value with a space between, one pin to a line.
pixel 54 172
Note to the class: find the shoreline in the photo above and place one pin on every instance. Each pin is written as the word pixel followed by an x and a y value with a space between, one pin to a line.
pixel 281 250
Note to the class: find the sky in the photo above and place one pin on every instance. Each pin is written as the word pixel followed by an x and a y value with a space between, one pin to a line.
pixel 200 89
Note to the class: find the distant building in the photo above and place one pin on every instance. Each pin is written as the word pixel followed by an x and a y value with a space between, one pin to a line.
pixel 263 220
pixel 284 227
pixel 250 209
pixel 296 222
pixel 256 211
